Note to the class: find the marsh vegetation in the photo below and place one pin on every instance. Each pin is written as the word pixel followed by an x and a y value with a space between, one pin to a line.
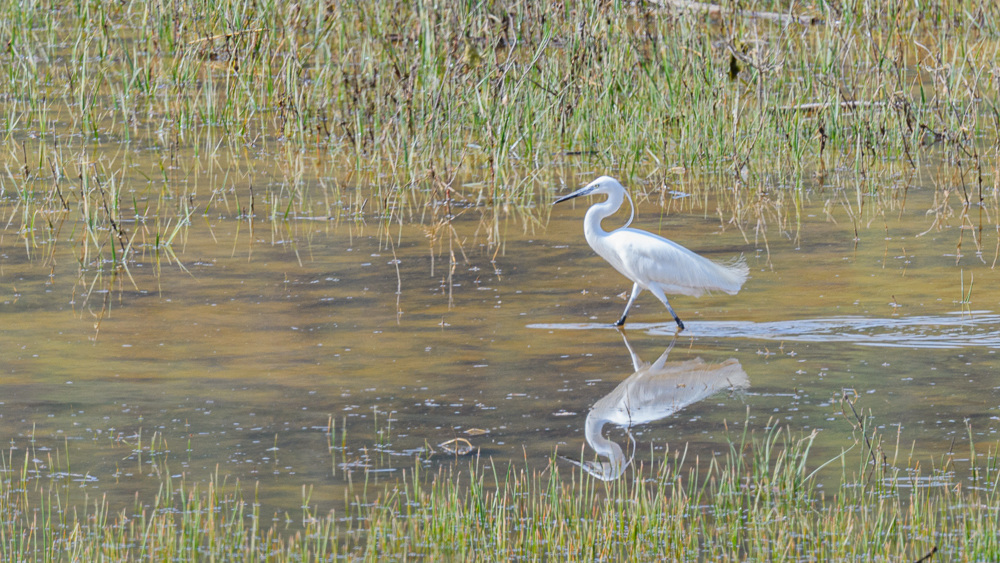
pixel 233 230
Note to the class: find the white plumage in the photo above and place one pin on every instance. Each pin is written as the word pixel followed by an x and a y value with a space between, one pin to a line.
pixel 653 263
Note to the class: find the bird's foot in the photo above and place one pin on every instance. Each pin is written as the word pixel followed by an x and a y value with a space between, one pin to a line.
pixel 680 325
pixel 620 322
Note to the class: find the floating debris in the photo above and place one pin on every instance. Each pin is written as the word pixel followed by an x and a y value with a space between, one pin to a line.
pixel 457 446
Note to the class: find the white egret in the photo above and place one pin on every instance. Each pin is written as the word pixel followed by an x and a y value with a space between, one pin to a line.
pixel 653 263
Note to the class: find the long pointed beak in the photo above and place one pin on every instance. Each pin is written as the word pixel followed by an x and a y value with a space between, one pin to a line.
pixel 582 191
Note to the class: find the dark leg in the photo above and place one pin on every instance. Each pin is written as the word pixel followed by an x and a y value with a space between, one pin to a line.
pixel 635 293
pixel 663 298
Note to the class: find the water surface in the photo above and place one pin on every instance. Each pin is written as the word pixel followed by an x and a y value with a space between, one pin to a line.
pixel 238 362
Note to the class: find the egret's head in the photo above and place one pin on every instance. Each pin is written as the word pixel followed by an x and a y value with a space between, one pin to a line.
pixel 603 185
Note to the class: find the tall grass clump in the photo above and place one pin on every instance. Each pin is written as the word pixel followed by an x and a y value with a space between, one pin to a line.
pixel 122 119
pixel 395 89
pixel 764 499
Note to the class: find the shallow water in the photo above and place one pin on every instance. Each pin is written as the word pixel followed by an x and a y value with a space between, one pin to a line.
pixel 238 365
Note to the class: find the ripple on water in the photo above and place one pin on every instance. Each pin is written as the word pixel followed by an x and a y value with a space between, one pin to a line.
pixel 954 330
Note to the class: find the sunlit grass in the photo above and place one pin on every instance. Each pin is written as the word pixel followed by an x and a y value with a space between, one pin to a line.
pixel 111 111
pixel 761 500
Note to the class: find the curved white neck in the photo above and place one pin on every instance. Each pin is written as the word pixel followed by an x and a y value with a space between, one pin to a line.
pixel 600 211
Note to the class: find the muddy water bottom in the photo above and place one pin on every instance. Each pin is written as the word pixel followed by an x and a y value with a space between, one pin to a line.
pixel 303 367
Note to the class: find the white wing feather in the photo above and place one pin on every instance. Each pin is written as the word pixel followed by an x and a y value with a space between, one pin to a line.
pixel 648 259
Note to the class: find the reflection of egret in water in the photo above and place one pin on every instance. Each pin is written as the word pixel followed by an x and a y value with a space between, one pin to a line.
pixel 654 391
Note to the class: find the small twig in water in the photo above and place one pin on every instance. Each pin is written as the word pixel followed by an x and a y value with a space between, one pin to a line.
pixel 861 423
pixel 928 556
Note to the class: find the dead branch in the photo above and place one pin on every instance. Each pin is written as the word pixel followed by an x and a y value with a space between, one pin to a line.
pixel 817 107
pixel 716 11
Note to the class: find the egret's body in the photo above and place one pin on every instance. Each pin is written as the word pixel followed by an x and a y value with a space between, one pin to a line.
pixel 653 263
